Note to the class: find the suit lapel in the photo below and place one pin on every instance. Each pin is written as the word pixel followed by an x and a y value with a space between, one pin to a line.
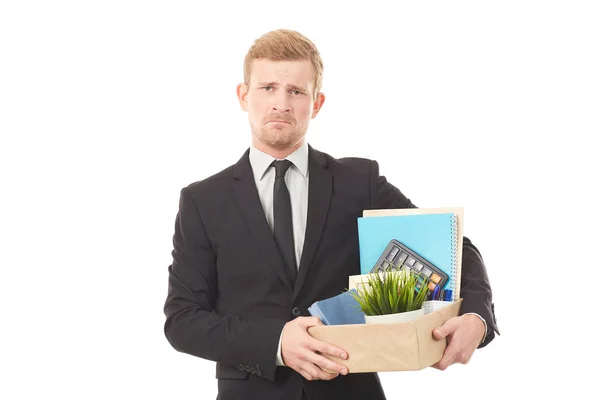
pixel 246 195
pixel 319 196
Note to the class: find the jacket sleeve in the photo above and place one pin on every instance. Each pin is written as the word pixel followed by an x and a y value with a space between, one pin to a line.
pixel 192 326
pixel 475 288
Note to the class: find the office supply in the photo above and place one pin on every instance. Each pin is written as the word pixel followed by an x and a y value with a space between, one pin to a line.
pixel 342 309
pixel 397 256
pixel 448 295
pixel 435 294
pixel 435 234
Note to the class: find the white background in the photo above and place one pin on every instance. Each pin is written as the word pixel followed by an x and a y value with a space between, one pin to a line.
pixel 107 109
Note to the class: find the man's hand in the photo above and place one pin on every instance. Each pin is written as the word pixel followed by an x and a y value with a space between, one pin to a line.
pixel 301 352
pixel 464 334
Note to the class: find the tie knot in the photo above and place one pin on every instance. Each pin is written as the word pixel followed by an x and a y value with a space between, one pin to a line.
pixel 281 167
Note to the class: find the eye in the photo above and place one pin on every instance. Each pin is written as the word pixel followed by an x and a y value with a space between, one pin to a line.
pixel 267 88
pixel 296 92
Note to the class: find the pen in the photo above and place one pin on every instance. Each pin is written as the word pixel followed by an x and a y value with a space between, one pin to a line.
pixel 435 293
pixel 448 295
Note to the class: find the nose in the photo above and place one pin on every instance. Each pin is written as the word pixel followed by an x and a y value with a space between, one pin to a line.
pixel 281 102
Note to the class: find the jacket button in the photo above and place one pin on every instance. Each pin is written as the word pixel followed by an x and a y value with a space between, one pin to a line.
pixel 296 312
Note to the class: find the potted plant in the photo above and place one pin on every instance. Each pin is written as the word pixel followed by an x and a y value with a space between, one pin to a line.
pixel 394 296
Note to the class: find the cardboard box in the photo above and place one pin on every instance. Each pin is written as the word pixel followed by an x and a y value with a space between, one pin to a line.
pixel 403 346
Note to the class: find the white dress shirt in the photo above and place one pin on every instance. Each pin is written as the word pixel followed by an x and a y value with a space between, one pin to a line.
pixel 296 180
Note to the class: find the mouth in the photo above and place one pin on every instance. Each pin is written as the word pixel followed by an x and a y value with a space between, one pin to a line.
pixel 278 123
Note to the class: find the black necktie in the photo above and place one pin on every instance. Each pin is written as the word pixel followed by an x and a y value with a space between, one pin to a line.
pixel 283 229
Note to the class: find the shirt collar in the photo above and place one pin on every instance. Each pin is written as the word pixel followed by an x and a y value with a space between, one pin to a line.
pixel 260 161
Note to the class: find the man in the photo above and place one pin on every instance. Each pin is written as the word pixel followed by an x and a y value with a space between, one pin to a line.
pixel 256 244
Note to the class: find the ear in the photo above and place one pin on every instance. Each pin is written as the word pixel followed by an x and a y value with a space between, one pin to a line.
pixel 318 104
pixel 242 94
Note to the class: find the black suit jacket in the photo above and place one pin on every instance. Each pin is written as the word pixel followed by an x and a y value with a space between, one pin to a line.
pixel 228 295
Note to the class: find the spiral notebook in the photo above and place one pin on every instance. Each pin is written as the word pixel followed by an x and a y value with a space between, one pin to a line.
pixel 435 234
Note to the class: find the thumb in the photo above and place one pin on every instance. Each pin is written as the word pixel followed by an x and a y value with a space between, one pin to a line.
pixel 446 329
pixel 311 321
pixel 440 333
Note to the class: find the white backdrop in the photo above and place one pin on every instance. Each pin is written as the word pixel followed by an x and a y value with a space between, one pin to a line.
pixel 107 109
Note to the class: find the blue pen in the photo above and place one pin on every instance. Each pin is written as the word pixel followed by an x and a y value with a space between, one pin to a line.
pixel 434 296
pixel 448 295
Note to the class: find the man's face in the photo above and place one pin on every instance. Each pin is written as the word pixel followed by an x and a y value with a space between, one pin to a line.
pixel 280 102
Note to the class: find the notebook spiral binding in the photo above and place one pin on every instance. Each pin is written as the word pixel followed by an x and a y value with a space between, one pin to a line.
pixel 454 260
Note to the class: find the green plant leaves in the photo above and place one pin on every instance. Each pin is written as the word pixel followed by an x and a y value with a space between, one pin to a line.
pixel 391 292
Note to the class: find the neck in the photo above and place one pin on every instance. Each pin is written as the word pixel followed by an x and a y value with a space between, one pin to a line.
pixel 275 152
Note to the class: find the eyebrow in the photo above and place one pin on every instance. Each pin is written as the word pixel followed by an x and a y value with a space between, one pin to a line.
pixel 261 84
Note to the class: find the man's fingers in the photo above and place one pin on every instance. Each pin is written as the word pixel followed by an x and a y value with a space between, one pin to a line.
pixel 315 350
pixel 450 355
pixel 440 333
pixel 462 340
pixel 464 359
pixel 312 372
pixel 449 359
pixel 326 348
pixel 307 322
pixel 446 329
pixel 326 364
pixel 305 354
pixel 444 363
pixel 305 374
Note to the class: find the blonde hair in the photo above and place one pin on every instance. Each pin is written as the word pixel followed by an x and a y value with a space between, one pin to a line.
pixel 284 45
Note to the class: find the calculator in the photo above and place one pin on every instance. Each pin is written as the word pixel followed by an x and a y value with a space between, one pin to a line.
pixel 396 256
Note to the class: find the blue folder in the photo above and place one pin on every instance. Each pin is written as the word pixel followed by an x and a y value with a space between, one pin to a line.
pixel 342 309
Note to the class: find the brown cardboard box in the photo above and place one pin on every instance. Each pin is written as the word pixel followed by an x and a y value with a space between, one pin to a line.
pixel 403 346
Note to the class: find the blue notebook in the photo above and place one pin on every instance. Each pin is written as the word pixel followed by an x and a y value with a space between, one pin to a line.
pixel 342 309
pixel 431 236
